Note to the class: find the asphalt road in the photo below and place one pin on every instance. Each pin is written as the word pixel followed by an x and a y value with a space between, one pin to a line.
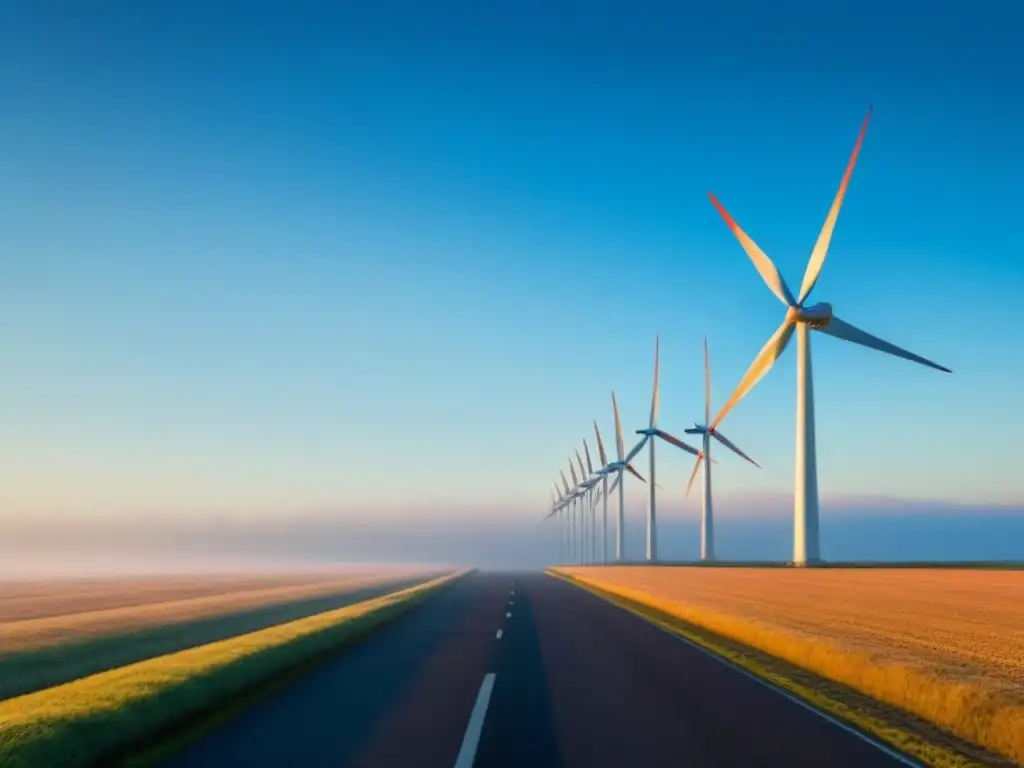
pixel 569 680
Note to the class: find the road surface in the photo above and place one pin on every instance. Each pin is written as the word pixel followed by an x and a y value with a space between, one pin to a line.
pixel 526 670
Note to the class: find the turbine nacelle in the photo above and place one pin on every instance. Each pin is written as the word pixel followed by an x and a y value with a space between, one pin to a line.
pixel 817 316
pixel 650 431
pixel 696 429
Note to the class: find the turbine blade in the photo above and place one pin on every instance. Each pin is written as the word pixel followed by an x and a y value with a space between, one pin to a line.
pixel 636 449
pixel 600 446
pixel 843 330
pixel 762 364
pixel 572 471
pixel 654 397
pixel 733 447
pixel 583 472
pixel 635 474
pixel 693 476
pixel 618 427
pixel 825 237
pixel 676 442
pixel 586 452
pixel 707 384
pixel 767 269
pixel 615 483
pixel 564 482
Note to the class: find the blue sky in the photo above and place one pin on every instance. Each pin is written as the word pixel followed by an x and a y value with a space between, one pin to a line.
pixel 261 258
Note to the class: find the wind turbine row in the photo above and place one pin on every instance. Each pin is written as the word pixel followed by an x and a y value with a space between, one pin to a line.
pixel 566 500
pixel 800 319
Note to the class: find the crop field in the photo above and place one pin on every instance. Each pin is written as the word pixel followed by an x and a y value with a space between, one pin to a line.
pixel 945 644
pixel 95 720
pixel 55 631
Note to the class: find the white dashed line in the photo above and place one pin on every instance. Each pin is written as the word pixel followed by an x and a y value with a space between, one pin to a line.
pixel 498 636
pixel 508 615
pixel 471 740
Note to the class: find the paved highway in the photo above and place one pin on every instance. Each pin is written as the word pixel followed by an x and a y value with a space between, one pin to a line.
pixel 526 670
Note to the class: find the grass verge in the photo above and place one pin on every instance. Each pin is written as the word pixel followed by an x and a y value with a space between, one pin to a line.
pixel 743 645
pixel 80 654
pixel 99 718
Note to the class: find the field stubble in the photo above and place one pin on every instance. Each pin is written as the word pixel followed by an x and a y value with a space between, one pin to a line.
pixel 947 645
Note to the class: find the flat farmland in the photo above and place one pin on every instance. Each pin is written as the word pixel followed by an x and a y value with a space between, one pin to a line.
pixel 945 644
pixel 55 631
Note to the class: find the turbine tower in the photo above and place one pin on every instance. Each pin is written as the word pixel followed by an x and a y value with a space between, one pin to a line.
pixel 585 488
pixel 556 507
pixel 707 539
pixel 650 432
pixel 595 493
pixel 569 500
pixel 803 319
pixel 618 468
pixel 603 472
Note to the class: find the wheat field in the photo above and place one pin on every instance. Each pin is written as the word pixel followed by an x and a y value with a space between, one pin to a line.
pixel 54 632
pixel 946 644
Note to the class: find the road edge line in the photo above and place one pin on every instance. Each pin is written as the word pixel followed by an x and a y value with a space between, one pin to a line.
pixel 789 689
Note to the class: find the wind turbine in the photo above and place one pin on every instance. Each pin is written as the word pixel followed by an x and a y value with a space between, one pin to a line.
pixel 584 506
pixel 650 432
pixel 569 501
pixel 594 480
pixel 557 505
pixel 707 540
pixel 803 319
pixel 603 474
pixel 619 467
pixel 587 483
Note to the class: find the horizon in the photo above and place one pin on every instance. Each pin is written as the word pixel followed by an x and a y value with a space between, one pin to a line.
pixel 380 262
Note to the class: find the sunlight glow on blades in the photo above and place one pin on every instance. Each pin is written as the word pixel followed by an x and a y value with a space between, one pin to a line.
pixel 801 319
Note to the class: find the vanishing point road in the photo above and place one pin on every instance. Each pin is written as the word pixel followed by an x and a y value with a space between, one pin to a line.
pixel 527 670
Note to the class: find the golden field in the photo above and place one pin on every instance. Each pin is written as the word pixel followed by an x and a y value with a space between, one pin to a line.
pixel 945 644
pixel 56 631
pixel 97 718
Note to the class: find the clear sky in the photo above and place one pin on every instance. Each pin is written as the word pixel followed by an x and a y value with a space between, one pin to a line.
pixel 394 256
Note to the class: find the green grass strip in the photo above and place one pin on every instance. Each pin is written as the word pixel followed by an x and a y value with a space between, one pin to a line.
pixel 98 718
pixel 910 735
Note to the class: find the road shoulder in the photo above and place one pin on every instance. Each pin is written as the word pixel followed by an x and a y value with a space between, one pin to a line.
pixel 907 734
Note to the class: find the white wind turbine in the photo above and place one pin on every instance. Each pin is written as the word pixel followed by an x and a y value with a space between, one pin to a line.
pixel 618 468
pixel 602 472
pixel 593 480
pixel 588 481
pixel 649 433
pixel 803 319
pixel 579 506
pixel 707 540
pixel 584 505
pixel 558 504
pixel 569 499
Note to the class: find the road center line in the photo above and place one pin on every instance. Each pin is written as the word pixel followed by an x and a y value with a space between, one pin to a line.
pixel 470 742
pixel 500 633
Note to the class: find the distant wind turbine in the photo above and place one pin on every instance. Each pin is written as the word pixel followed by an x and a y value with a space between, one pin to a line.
pixel 619 468
pixel 584 499
pixel 587 483
pixel 602 471
pixel 650 432
pixel 707 539
pixel 803 319
pixel 593 480
pixel 569 501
